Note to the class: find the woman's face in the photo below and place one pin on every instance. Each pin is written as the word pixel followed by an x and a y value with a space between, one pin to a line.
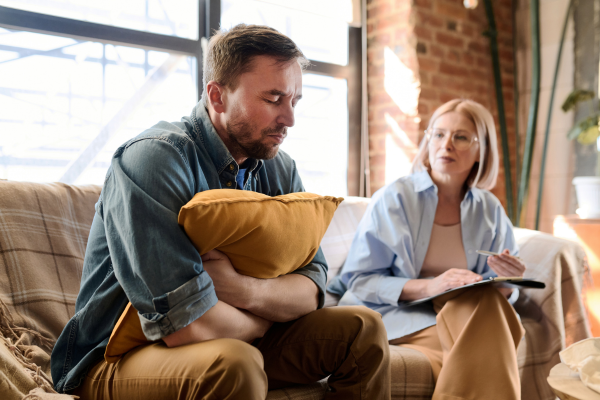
pixel 444 158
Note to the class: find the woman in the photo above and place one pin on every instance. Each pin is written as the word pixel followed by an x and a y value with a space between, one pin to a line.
pixel 419 238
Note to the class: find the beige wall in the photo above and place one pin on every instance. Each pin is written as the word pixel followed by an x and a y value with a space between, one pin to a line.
pixel 559 162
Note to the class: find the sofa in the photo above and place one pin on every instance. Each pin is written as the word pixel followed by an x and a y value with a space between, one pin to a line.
pixel 44 230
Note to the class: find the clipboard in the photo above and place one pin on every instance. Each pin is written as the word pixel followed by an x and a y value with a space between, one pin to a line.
pixel 513 282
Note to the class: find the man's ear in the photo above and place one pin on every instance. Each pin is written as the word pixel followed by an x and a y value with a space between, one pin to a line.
pixel 216 96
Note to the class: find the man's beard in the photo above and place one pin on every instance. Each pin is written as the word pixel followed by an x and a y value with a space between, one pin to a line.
pixel 240 134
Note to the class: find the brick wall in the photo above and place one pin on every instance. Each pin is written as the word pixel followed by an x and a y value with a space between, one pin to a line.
pixel 443 44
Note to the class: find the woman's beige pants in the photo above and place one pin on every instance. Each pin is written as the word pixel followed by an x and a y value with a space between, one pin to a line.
pixel 472 349
pixel 348 344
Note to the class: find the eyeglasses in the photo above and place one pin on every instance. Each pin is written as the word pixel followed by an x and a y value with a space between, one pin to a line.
pixel 461 140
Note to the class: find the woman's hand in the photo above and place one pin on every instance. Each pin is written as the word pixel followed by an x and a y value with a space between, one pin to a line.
pixel 452 278
pixel 506 265
pixel 417 289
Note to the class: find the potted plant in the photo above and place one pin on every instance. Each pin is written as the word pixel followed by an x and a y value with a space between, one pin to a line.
pixel 587 132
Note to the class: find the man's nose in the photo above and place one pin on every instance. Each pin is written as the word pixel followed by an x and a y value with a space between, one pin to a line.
pixel 286 116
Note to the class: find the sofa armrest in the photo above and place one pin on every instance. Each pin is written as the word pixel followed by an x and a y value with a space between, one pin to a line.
pixel 562 265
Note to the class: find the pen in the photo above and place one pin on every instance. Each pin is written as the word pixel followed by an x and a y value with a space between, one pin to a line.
pixel 488 253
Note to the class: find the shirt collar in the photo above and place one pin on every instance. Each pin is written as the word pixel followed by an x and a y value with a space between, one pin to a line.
pixel 422 181
pixel 253 164
pixel 210 139
pixel 212 142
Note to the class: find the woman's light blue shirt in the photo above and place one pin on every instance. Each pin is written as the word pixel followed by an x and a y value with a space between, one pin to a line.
pixel 392 240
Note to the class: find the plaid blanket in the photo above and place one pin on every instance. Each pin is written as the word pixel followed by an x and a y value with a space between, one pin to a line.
pixel 43 233
pixel 24 366
pixel 553 318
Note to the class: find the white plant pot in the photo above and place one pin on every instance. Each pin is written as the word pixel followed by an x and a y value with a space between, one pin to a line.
pixel 588 196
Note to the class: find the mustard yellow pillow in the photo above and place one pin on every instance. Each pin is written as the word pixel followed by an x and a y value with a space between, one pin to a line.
pixel 126 335
pixel 264 237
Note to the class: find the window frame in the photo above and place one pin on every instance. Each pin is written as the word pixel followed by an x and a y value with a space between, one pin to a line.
pixel 208 22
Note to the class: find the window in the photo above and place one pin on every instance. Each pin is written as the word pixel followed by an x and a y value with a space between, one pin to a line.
pixel 321 37
pixel 176 18
pixel 78 79
pixel 74 89
pixel 319 140
pixel 67 104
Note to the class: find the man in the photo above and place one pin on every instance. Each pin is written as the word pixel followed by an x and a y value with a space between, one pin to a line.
pixel 204 311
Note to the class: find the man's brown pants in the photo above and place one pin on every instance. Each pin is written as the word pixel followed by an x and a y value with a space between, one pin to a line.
pixel 472 349
pixel 348 344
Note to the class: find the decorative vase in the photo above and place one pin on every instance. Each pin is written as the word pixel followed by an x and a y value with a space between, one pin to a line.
pixel 588 196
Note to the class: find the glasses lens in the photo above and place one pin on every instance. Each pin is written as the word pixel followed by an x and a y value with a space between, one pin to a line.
pixel 437 135
pixel 462 140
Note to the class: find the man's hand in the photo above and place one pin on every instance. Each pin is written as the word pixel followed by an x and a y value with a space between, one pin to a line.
pixel 280 299
pixel 506 265
pixel 231 287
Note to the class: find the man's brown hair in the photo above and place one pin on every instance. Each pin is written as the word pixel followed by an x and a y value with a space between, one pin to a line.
pixel 230 53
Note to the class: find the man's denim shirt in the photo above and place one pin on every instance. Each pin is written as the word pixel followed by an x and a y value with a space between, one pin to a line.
pixel 137 252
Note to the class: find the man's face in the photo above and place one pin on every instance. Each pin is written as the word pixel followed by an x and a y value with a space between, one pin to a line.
pixel 261 108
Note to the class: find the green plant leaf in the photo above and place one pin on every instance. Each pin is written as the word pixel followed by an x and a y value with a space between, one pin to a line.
pixel 575 97
pixel 583 125
pixel 589 136
pixel 577 129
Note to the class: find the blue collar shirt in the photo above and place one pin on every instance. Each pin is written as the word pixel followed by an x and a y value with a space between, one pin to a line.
pixel 391 242
pixel 136 250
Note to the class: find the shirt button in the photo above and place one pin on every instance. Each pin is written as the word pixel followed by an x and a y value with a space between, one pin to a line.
pixel 231 167
pixel 229 184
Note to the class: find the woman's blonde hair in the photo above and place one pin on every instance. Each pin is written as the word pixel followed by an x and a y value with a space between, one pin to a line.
pixel 485 171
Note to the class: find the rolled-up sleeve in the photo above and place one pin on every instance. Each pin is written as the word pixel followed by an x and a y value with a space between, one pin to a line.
pixel 316 271
pixel 154 261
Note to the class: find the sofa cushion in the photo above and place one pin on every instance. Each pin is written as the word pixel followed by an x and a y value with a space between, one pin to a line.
pixel 313 391
pixel 338 238
pixel 412 376
pixel 43 233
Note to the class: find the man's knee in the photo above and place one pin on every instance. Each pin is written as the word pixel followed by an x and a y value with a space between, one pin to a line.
pixel 369 344
pixel 371 320
pixel 361 315
pixel 238 358
pixel 364 324
pixel 237 369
